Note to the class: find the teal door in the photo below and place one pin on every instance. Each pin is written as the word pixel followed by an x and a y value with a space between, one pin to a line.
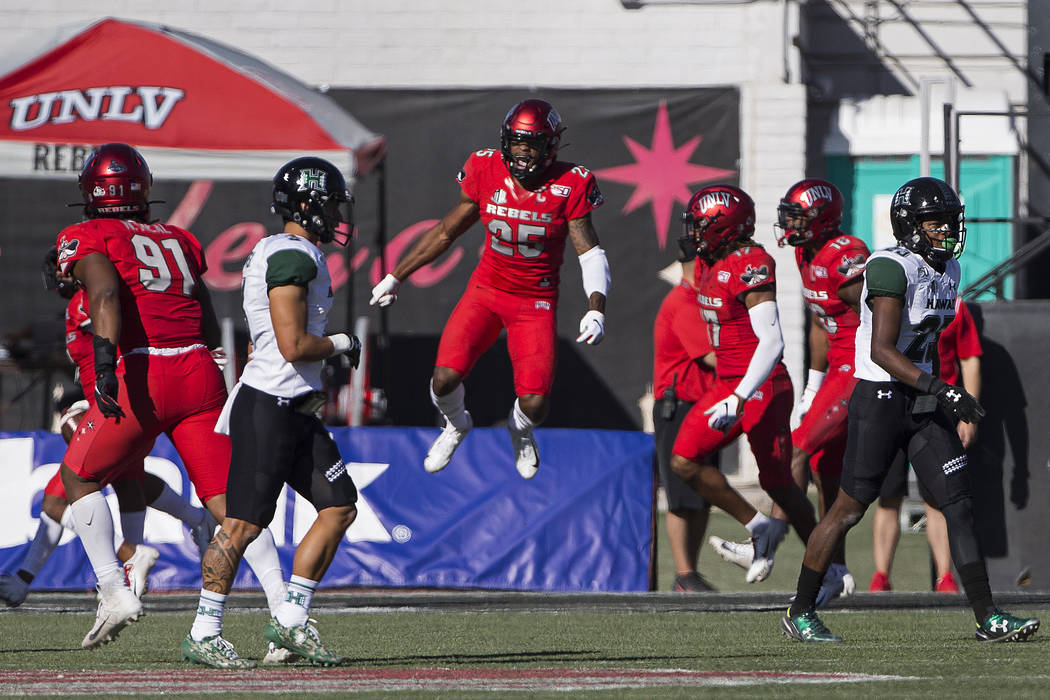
pixel 987 189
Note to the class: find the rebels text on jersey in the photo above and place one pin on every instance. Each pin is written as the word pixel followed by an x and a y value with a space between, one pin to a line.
pixel 728 321
pixel 840 260
pixel 526 229
pixel 159 265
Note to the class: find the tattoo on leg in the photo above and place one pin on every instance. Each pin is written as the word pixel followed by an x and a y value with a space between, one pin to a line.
pixel 219 564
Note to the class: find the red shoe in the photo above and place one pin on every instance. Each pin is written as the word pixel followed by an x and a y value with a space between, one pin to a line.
pixel 946 584
pixel 880 582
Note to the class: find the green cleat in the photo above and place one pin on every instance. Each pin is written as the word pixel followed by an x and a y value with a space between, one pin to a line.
pixel 215 652
pixel 807 627
pixel 303 640
pixel 1004 627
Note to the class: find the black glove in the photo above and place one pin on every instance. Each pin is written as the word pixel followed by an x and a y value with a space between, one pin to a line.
pixel 107 388
pixel 959 404
pixel 354 353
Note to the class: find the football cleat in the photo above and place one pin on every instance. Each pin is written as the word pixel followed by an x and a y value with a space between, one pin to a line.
pixel 766 538
pixel 303 640
pixel 137 568
pixel 739 553
pixel 117 607
pixel 215 652
pixel 837 582
pixel 440 453
pixel 526 456
pixel 13 590
pixel 204 531
pixel 276 655
pixel 807 627
pixel 692 582
pixel 1004 627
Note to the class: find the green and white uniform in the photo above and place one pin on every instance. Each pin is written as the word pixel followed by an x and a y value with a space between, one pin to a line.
pixel 279 260
pixel 929 306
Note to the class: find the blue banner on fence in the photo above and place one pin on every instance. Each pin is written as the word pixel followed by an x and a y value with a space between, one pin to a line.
pixel 582 524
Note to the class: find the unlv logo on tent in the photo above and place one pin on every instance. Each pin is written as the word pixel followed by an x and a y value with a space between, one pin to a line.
pixel 150 106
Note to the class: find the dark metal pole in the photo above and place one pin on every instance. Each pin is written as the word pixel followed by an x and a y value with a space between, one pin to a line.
pixel 383 339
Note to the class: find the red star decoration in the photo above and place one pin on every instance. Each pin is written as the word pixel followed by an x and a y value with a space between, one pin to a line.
pixel 661 174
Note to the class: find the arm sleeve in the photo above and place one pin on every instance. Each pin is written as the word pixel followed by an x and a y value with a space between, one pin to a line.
pixel 289 267
pixel 765 321
pixel 885 278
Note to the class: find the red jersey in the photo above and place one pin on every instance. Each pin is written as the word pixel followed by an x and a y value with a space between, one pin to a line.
pixel 160 266
pixel 839 260
pixel 526 228
pixel 680 339
pixel 958 341
pixel 78 332
pixel 727 318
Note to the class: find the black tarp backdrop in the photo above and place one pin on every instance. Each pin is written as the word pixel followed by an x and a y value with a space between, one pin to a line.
pixel 430 134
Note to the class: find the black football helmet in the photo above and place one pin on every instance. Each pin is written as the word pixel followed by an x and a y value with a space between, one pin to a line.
pixel 312 192
pixel 115 182
pixel 537 123
pixel 922 199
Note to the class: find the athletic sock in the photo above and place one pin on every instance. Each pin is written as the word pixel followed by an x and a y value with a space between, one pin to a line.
pixel 94 526
pixel 755 522
pixel 974 579
pixel 178 507
pixel 261 556
pixel 132 525
pixel 208 622
pixel 518 420
pixel 809 581
pixel 295 610
pixel 48 534
pixel 451 406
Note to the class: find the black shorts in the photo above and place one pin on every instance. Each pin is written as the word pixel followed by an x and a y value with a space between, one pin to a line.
pixel 881 424
pixel 895 485
pixel 272 445
pixel 679 495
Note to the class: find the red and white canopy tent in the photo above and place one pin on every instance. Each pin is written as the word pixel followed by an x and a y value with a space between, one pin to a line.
pixel 194 107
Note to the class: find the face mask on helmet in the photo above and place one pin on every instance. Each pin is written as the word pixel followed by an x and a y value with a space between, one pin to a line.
pixel 716 216
pixel 115 182
pixel 811 211
pixel 928 218
pixel 537 125
pixel 312 193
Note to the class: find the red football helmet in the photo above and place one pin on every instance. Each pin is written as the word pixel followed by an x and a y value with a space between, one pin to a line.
pixel 819 203
pixel 115 182
pixel 537 123
pixel 718 215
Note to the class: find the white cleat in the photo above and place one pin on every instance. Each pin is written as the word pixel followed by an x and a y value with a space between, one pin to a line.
pixel 116 608
pixel 765 539
pixel 739 553
pixel 526 456
pixel 440 453
pixel 204 532
pixel 137 568
pixel 13 590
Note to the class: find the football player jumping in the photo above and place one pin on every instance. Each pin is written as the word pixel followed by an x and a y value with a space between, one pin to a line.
pixel 752 392
pixel 908 297
pixel 529 203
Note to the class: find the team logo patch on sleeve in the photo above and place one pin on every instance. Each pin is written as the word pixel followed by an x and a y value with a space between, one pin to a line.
pixel 754 275
pixel 68 249
pixel 851 264
pixel 461 176
pixel 595 197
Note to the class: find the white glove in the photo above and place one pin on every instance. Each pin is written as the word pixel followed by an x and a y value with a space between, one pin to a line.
pixel 219 355
pixel 724 413
pixel 385 293
pixel 592 328
pixel 813 382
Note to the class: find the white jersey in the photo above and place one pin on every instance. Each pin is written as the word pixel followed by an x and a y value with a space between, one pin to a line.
pixel 267 370
pixel 929 306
